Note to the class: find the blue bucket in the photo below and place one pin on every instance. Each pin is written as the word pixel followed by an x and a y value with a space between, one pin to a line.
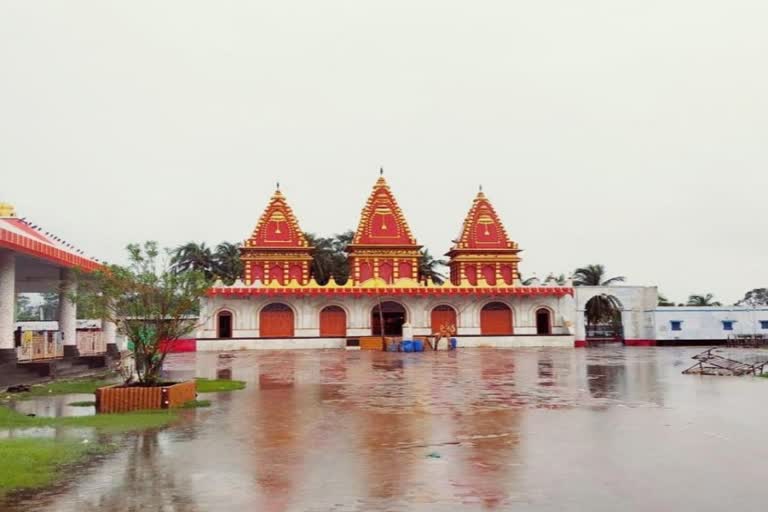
pixel 418 346
pixel 407 346
pixel 393 347
pixel 453 343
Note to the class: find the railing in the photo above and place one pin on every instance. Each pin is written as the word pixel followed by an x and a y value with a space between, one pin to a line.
pixel 91 343
pixel 40 345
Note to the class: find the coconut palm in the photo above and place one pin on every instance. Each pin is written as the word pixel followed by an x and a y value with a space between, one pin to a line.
pixel 664 301
pixel 329 258
pixel 703 300
pixel 594 275
pixel 227 264
pixel 193 256
pixel 430 268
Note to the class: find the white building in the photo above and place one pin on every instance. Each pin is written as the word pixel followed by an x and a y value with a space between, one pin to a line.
pixel 678 325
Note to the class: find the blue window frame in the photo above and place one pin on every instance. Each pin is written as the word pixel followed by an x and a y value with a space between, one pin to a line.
pixel 764 324
pixel 728 325
pixel 676 325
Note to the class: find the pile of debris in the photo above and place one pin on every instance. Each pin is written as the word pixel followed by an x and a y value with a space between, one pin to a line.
pixel 709 363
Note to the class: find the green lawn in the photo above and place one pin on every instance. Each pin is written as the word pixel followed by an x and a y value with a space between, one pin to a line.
pixel 107 422
pixel 63 387
pixel 32 463
pixel 215 386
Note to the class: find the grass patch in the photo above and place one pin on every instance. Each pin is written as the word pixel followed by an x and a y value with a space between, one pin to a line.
pixel 63 387
pixel 107 422
pixel 82 404
pixel 216 386
pixel 33 463
pixel 194 404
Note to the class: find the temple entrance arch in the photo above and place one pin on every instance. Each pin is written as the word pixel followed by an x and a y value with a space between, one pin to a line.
pixel 276 321
pixel 602 319
pixel 394 316
pixel 224 324
pixel 496 319
pixel 543 322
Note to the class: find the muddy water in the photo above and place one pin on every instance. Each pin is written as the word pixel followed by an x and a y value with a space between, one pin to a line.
pixel 545 430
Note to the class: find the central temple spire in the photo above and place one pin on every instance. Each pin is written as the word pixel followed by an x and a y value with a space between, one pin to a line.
pixel 383 247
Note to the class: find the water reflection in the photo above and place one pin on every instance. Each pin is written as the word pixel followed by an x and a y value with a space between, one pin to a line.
pixel 467 430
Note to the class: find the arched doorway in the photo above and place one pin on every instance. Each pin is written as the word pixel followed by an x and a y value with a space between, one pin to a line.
pixel 443 316
pixel 224 324
pixel 602 319
pixel 333 322
pixel 394 317
pixel 276 321
pixel 496 319
pixel 543 322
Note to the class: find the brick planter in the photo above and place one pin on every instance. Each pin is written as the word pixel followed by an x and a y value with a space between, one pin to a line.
pixel 119 398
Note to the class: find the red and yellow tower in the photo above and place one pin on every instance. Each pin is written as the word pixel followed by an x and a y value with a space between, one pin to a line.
pixel 383 247
pixel 277 251
pixel 484 254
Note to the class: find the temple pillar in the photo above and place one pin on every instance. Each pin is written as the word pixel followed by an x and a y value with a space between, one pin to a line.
pixel 68 313
pixel 7 305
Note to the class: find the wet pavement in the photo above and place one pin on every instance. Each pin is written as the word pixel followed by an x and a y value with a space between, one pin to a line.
pixel 530 429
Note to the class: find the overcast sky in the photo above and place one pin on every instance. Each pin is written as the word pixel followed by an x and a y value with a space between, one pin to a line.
pixel 628 133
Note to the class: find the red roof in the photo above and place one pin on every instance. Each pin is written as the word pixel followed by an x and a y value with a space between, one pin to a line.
pixel 382 222
pixel 482 229
pixel 277 227
pixel 17 236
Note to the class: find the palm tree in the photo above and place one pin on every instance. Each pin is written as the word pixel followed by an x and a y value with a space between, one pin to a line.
pixel 193 256
pixel 329 258
pixel 594 275
pixel 603 309
pixel 227 264
pixel 430 268
pixel 703 300
pixel 664 301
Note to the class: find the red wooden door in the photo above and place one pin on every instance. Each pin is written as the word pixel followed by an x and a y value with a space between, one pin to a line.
pixel 496 318
pixel 276 321
pixel 333 322
pixel 443 315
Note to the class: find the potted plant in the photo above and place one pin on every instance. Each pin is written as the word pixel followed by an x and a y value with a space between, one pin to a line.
pixel 153 305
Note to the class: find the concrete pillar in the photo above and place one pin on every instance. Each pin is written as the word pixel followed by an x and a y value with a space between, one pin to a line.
pixel 7 305
pixel 109 331
pixel 68 313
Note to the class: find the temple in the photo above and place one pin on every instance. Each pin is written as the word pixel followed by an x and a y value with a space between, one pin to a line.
pixel 280 304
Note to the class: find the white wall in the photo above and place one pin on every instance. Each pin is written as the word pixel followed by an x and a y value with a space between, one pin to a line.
pixel 245 311
pixel 706 323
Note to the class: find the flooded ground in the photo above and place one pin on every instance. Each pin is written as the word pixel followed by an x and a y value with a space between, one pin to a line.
pixel 531 429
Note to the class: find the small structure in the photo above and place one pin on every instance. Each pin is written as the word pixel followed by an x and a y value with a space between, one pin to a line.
pixel 34 261
pixel 709 363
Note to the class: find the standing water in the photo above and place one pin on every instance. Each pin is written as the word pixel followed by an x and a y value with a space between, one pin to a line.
pixel 531 429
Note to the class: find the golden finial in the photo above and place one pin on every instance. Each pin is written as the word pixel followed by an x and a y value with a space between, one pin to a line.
pixel 7 210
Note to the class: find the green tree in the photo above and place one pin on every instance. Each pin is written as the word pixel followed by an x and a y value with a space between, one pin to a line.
pixel 149 300
pixel 329 257
pixel 663 301
pixel 25 311
pixel 703 300
pixel 755 298
pixel 603 309
pixel 227 264
pixel 194 256
pixel 431 268
pixel 594 275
